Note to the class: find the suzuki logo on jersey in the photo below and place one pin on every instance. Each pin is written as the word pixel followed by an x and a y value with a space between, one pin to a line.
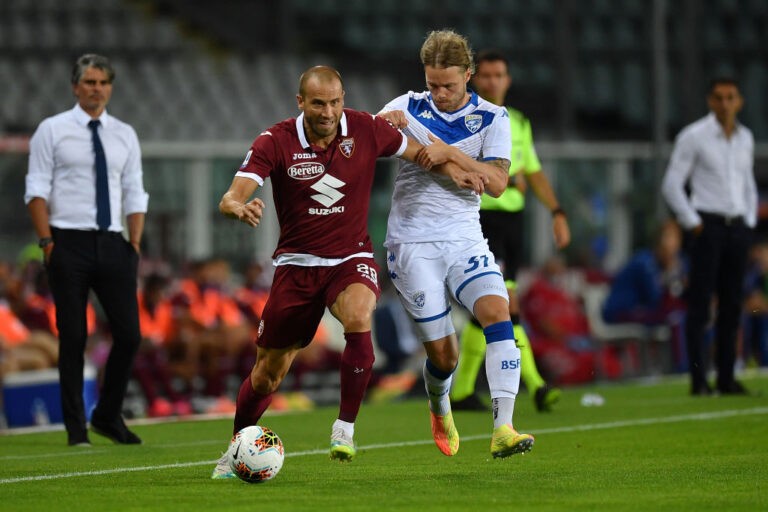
pixel 347 147
pixel 473 122
pixel 426 114
pixel 305 170
pixel 326 211
pixel 327 186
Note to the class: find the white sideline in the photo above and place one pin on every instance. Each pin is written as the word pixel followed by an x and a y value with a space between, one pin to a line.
pixel 574 428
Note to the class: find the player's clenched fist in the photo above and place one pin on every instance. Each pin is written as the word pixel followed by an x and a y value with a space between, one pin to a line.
pixel 396 118
pixel 251 212
pixel 436 153
pixel 235 205
pixel 466 180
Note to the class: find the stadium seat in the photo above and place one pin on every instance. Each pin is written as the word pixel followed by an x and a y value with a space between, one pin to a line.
pixel 634 8
pixel 15 6
pixel 131 34
pixel 502 35
pixel 728 7
pixel 754 83
pixel 756 8
pixel 713 34
pixel 620 335
pixel 20 32
pixel 79 34
pixel 538 32
pixel 635 88
pixel 539 7
pixel 489 7
pixel 602 86
pixel 626 34
pixel 748 36
pixel 385 33
pixel 591 34
pixel 49 33
pixel 7 70
pixel 541 74
pixel 601 8
pixel 412 35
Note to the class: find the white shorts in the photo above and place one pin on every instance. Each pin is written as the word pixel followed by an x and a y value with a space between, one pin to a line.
pixel 428 274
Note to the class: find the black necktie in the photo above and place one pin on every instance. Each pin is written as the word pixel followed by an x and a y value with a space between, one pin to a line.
pixel 103 215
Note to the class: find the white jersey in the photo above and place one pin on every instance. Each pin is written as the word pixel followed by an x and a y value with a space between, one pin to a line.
pixel 427 207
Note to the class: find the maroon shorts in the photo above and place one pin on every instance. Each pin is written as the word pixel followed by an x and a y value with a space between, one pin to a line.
pixel 299 296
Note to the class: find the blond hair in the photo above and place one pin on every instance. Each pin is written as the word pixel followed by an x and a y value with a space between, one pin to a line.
pixel 446 48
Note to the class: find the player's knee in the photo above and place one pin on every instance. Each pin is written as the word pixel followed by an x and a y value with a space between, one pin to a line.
pixel 356 319
pixel 264 382
pixel 490 310
pixel 445 362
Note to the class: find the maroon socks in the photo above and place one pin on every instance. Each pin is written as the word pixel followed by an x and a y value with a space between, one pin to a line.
pixel 250 406
pixel 356 365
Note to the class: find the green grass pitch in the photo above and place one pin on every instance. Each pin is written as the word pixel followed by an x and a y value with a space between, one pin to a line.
pixel 649 447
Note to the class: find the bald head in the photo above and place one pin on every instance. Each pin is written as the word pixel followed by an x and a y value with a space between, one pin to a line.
pixel 323 75
pixel 321 100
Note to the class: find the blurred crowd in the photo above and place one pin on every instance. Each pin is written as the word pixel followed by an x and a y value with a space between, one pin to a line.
pixel 645 301
pixel 198 325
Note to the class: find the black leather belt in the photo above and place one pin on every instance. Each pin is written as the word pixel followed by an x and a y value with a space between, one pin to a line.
pixel 722 220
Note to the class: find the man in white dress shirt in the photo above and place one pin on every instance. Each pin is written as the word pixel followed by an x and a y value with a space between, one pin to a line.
pixel 715 156
pixel 84 175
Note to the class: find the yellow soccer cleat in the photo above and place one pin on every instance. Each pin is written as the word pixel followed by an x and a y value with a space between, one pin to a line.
pixel 507 441
pixel 342 446
pixel 222 470
pixel 444 433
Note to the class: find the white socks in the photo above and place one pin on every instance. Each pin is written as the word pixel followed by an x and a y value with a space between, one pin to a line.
pixel 438 384
pixel 502 367
pixel 346 427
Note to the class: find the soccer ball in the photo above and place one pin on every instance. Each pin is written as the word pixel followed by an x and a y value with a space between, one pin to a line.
pixel 255 454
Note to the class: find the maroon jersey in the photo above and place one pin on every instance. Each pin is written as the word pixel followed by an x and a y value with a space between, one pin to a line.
pixel 322 195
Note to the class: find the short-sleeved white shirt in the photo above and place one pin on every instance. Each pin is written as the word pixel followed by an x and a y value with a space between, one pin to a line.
pixel 427 207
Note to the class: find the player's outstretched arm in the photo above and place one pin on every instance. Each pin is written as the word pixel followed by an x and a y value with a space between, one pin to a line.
pixel 235 205
pixel 543 191
pixel 412 150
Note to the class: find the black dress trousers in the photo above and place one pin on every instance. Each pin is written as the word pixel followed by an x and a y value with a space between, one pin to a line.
pixel 106 263
pixel 719 256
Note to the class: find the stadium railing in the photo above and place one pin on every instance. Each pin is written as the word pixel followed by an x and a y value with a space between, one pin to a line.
pixel 610 191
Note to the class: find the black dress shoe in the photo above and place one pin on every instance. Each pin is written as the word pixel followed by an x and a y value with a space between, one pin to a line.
pixel 732 388
pixel 115 430
pixel 701 390
pixel 78 439
pixel 471 403
pixel 545 397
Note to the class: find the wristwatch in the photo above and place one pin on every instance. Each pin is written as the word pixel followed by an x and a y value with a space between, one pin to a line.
pixel 44 242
